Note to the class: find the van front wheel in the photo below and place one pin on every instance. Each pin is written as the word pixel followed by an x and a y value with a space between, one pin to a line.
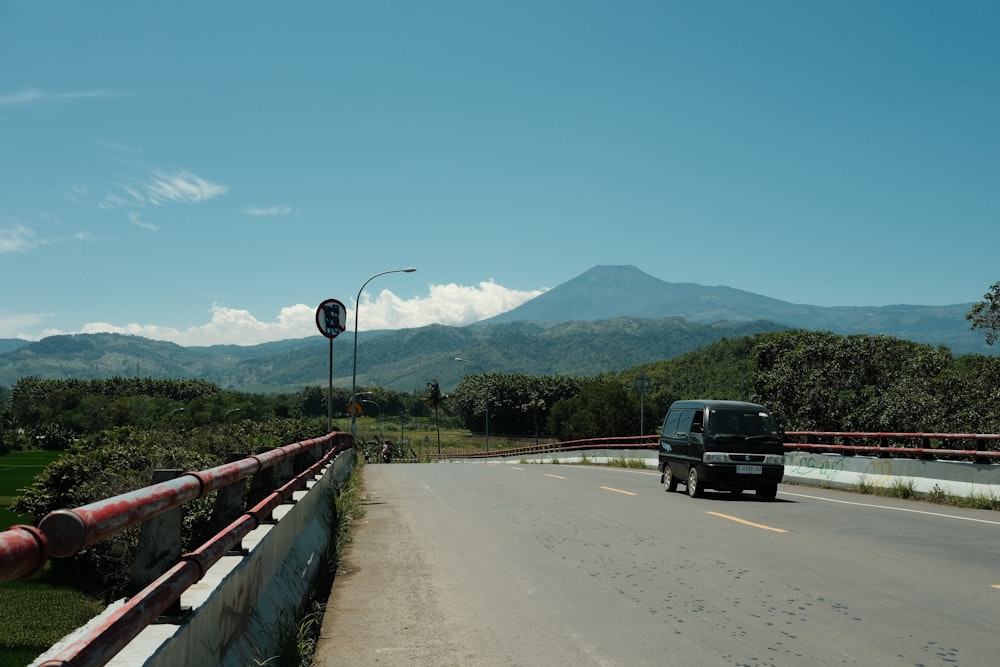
pixel 669 480
pixel 693 485
pixel 768 492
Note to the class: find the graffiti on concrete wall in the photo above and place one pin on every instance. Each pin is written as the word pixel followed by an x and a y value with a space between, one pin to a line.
pixel 825 467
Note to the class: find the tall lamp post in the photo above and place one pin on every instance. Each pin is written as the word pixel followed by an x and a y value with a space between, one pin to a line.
pixel 354 373
pixel 486 402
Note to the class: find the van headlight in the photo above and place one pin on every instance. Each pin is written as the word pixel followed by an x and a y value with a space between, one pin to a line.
pixel 774 460
pixel 715 457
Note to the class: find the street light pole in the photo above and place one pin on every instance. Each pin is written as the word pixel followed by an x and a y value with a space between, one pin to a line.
pixel 381 437
pixel 354 373
pixel 486 401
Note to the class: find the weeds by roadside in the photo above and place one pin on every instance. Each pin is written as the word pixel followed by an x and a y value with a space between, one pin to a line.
pixel 622 462
pixel 298 633
pixel 906 489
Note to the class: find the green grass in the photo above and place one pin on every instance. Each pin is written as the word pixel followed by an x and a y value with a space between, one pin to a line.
pixel 906 489
pixel 424 441
pixel 35 615
pixel 622 462
pixel 18 471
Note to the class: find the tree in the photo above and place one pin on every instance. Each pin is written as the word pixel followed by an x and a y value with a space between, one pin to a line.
pixel 985 315
pixel 600 409
pixel 435 399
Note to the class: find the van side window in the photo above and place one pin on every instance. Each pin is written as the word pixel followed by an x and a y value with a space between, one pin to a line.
pixel 684 424
pixel 698 422
pixel 670 423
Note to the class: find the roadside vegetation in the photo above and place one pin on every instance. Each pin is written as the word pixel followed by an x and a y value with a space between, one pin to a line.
pixel 906 490
pixel 64 443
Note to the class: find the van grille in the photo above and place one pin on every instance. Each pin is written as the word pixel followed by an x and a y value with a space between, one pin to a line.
pixel 746 458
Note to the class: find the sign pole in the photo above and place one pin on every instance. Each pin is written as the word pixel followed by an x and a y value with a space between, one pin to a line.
pixel 331 319
pixel 329 394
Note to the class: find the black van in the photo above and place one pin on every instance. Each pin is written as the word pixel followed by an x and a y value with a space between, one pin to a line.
pixel 725 445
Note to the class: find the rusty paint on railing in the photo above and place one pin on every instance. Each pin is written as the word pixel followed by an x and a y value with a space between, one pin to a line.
pixel 23 552
pixel 908 452
pixel 651 442
pixel 64 532
pixel 104 641
pixel 881 449
pixel 881 434
pixel 619 442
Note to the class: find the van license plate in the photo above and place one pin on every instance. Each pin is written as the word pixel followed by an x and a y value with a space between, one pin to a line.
pixel 748 470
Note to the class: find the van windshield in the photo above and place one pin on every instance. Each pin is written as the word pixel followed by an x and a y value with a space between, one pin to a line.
pixel 742 424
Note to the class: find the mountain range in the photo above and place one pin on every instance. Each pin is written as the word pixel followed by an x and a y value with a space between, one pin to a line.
pixel 607 319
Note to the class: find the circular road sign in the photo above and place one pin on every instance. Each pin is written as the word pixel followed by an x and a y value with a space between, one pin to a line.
pixel 331 318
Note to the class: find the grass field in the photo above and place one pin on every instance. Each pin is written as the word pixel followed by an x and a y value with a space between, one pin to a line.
pixel 33 613
pixel 18 471
pixel 424 442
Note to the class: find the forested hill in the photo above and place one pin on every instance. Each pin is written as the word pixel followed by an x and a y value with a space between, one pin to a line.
pixel 404 360
pixel 607 319
pixel 605 292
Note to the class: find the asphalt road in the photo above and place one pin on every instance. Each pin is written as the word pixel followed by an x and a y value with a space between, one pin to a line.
pixel 514 564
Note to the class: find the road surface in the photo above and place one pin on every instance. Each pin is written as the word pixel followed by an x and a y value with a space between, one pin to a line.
pixel 525 564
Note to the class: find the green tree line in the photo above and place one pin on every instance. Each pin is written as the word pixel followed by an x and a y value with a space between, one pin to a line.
pixel 812 380
pixel 122 429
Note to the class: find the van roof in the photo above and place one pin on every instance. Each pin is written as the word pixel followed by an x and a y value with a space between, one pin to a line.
pixel 709 403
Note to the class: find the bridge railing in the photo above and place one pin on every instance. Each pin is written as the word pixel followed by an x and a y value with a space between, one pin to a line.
pixel 622 442
pixel 977 447
pixel 24 550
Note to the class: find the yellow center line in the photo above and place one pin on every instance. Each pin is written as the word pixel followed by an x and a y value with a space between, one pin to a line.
pixel 995 586
pixel 627 493
pixel 747 523
pixel 548 474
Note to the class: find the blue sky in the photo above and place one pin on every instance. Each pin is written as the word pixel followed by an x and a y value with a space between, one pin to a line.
pixel 210 172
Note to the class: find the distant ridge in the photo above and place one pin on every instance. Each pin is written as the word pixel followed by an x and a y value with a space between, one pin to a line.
pixel 607 319
pixel 605 292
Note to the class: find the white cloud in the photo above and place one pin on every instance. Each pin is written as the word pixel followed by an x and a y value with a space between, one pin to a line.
pixel 227 326
pixel 162 187
pixel 17 239
pixel 12 325
pixel 268 211
pixel 142 224
pixel 453 305
pixel 21 238
pixel 181 187
pixel 31 96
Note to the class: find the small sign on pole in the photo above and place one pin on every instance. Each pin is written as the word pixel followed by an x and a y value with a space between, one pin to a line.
pixel 331 319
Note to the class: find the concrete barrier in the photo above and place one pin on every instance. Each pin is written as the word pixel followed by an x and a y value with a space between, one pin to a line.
pixel 955 478
pixel 243 604
pixel 835 471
